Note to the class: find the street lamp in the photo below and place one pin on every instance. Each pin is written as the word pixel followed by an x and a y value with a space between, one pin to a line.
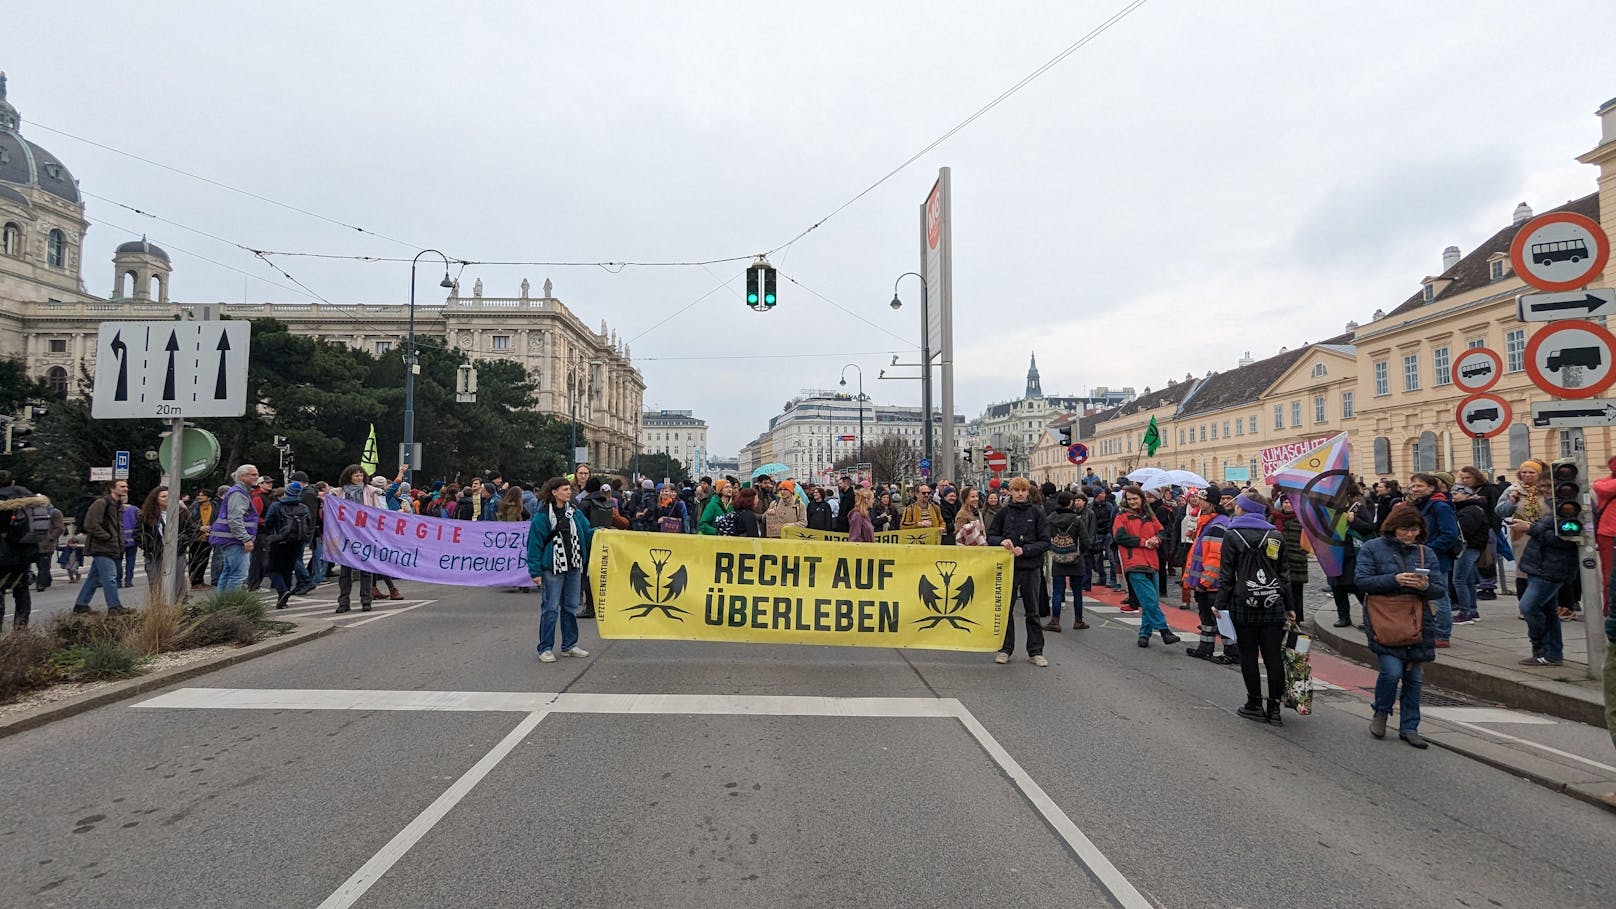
pixel 861 403
pixel 574 386
pixel 925 355
pixel 410 365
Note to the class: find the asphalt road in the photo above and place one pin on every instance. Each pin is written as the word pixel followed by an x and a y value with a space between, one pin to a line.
pixel 766 787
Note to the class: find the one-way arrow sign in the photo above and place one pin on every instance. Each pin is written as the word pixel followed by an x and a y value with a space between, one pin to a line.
pixel 1569 414
pixel 1576 304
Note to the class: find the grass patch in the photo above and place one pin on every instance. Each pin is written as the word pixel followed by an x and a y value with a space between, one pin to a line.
pixel 99 661
pixel 159 628
pixel 222 627
pixel 240 601
pixel 25 663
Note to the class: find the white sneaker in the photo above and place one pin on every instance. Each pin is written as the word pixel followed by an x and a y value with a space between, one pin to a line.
pixel 546 656
pixel 1001 658
pixel 1039 661
pixel 575 652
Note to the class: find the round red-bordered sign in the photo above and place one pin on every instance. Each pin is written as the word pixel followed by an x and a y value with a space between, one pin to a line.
pixel 1482 416
pixel 1572 343
pixel 1477 369
pixel 1559 251
pixel 1078 453
pixel 997 461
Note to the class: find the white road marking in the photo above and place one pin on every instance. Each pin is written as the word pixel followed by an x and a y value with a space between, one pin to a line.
pixel 1485 715
pixel 539 704
pixel 1531 744
pixel 378 616
pixel 370 872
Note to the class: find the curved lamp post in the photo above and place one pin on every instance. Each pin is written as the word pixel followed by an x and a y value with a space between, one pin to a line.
pixel 925 356
pixel 410 365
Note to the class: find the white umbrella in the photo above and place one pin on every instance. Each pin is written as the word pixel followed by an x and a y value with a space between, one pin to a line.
pixel 1150 478
pixel 1187 478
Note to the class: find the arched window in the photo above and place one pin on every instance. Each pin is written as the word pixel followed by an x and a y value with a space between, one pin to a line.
pixel 1383 456
pixel 11 239
pixel 1425 453
pixel 127 284
pixel 1520 444
pixel 155 288
pixel 56 380
pixel 56 249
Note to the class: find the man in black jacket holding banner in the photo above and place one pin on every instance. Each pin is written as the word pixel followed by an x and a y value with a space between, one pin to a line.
pixel 1020 527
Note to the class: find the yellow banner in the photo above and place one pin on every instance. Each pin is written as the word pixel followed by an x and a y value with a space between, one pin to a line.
pixel 920 536
pixel 710 588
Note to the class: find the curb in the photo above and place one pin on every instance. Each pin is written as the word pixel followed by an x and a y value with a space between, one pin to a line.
pixel 1523 691
pixel 1545 773
pixel 141 684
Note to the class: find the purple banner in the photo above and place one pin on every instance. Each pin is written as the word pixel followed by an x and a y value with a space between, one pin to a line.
pixel 413 547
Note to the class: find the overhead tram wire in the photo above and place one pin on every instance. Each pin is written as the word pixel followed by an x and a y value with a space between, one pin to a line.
pixel 1096 32
pixel 908 344
pixel 34 124
pixel 789 356
pixel 196 255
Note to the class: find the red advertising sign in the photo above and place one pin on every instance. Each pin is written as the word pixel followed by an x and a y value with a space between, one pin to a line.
pixel 1272 458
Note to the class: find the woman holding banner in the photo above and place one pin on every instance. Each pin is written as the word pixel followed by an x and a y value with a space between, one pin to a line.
pixel 557 550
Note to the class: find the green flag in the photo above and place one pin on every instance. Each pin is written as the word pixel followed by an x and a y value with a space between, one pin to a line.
pixel 1152 440
pixel 369 460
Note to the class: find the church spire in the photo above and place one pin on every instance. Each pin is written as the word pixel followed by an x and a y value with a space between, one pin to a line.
pixel 1034 389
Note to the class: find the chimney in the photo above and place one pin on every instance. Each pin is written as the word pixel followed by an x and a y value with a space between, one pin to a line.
pixel 1450 258
pixel 1607 121
pixel 1523 212
pixel 1245 360
pixel 1352 325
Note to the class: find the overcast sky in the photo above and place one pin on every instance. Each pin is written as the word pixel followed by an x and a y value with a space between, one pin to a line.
pixel 1202 179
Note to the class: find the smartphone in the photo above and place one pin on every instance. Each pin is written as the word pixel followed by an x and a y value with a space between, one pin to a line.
pixel 1423 571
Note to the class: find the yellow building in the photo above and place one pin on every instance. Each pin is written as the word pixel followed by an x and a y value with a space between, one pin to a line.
pixel 1387 382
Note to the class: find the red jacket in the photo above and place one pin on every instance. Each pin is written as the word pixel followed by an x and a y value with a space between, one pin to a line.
pixel 1604 496
pixel 1129 531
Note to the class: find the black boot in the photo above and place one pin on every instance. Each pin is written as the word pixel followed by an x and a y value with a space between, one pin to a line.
pixel 281 598
pixel 1252 710
pixel 1274 719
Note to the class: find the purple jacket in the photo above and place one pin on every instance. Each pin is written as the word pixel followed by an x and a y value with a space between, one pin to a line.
pixel 131 518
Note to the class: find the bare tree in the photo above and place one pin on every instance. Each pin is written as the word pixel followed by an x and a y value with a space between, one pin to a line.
pixel 892 460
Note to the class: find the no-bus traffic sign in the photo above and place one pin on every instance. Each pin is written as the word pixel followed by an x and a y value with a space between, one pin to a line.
pixel 1571 359
pixel 1483 416
pixel 1477 369
pixel 1559 251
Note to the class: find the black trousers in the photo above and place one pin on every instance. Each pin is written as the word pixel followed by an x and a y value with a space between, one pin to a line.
pixel 16 579
pixel 1265 640
pixel 1027 588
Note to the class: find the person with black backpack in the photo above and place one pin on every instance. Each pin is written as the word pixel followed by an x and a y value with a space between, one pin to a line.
pixel 289 526
pixel 1070 537
pixel 1252 586
pixel 24 525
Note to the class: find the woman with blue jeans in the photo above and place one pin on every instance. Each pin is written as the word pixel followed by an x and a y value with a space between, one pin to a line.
pixel 1389 566
pixel 557 550
pixel 1548 563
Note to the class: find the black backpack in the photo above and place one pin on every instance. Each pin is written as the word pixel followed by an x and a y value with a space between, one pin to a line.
pixel 297 524
pixel 1260 580
pixel 598 512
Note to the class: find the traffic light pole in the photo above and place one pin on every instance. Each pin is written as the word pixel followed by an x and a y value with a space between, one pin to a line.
pixel 1593 586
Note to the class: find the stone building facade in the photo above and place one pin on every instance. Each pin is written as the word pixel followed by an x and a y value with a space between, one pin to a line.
pixel 49 320
pixel 678 434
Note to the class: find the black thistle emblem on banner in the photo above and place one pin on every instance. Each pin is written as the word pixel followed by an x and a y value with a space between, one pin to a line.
pixel 947 603
pixel 660 593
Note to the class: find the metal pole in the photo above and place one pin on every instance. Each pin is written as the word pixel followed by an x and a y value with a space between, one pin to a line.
pixel 171 532
pixel 925 371
pixel 409 387
pixel 1593 586
pixel 861 416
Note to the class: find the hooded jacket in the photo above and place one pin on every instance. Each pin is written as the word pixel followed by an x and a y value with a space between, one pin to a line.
pixel 13 500
pixel 1441 527
pixel 1379 562
pixel 1129 531
pixel 1266 600
pixel 1023 524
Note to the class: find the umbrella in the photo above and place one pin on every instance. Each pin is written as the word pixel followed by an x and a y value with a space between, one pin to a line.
pixel 770 470
pixel 1187 478
pixel 1150 478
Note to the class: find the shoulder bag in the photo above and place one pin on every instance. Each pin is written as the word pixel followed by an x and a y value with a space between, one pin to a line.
pixel 1395 618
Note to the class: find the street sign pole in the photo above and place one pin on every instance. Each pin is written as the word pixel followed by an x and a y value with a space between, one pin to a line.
pixel 1593 586
pixel 171 564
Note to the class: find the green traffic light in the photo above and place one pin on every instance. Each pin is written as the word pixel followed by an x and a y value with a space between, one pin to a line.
pixel 751 298
pixel 769 300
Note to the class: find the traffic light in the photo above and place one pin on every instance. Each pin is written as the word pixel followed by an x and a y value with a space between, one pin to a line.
pixel 769 297
pixel 753 277
pixel 1065 435
pixel 966 457
pixel 1568 516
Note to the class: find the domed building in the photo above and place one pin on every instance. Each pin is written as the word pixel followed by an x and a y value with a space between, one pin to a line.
pixel 50 322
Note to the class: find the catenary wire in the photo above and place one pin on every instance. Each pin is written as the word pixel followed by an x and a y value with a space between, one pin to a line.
pixel 197 255
pixel 842 308
pixel 1096 32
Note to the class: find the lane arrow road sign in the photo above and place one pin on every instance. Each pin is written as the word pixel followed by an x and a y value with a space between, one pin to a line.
pixel 173 348
pixel 1569 414
pixel 121 351
pixel 1577 304
pixel 220 385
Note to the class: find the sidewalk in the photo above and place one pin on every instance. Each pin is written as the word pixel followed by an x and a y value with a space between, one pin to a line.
pixel 1484 658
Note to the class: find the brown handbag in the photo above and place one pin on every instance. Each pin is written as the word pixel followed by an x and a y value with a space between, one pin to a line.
pixel 1395 618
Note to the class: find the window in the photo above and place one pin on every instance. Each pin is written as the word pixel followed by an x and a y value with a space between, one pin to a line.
pixel 1181 435
pixel 1424 452
pixel 1253 429
pixel 1318 408
pixel 1296 413
pixel 1515 352
pixel 1411 372
pixel 1565 443
pixel 1481 455
pixel 1225 429
pixel 383 347
pixel 1279 416
pixel 1439 362
pixel 1427 292
pixel 1346 405
pixel 56 249
pixel 1214 432
pixel 1240 427
pixel 1382 379
pixel 502 342
pixel 1319 369
pixel 58 345
pixel 1383 456
pixel 56 381
pixel 11 240
pixel 1474 343
pixel 1251 470
pixel 1495 270
pixel 1203 433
